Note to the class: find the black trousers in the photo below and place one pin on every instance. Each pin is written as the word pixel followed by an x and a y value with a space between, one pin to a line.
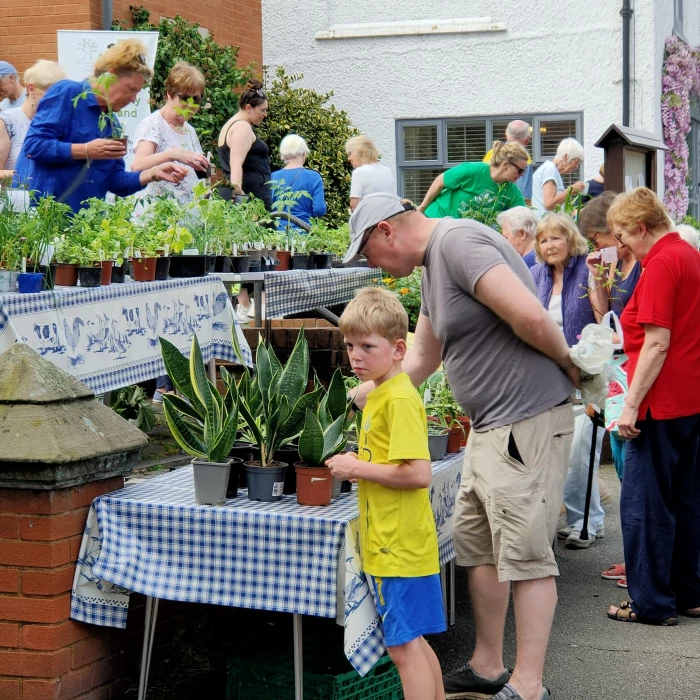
pixel 660 513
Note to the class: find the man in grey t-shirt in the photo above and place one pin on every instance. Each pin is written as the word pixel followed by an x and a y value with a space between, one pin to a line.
pixel 507 363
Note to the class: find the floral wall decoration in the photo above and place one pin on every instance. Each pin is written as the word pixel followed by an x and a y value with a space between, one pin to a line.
pixel 681 77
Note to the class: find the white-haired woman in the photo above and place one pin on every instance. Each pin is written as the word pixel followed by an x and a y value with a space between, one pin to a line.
pixel 14 123
pixel 548 189
pixel 689 234
pixel 368 175
pixel 295 177
pixel 519 226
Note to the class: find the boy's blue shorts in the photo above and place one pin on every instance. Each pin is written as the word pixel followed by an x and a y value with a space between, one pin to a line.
pixel 408 607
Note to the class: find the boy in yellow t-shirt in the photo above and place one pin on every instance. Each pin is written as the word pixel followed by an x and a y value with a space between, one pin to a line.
pixel 398 541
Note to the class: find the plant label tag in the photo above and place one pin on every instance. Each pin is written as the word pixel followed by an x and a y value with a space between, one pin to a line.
pixel 608 255
pixel 277 488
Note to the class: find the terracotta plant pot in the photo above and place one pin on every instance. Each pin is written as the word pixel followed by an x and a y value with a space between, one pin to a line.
pixel 144 269
pixel 314 485
pixel 466 424
pixel 284 257
pixel 106 279
pixel 454 440
pixel 66 275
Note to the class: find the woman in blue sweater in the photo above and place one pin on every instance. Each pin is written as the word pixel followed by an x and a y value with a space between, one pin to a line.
pixel 295 177
pixel 565 290
pixel 69 151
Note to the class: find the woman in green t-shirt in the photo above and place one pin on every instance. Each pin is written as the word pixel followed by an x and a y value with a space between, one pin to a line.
pixel 451 192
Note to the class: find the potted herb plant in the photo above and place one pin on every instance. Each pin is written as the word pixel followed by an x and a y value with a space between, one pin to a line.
pixel 204 425
pixel 99 87
pixel 443 409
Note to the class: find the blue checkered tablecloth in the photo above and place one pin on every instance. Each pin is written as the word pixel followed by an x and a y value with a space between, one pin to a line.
pixel 108 336
pixel 294 291
pixel 152 538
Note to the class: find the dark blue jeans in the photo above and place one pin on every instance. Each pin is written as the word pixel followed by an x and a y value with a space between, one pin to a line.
pixel 660 513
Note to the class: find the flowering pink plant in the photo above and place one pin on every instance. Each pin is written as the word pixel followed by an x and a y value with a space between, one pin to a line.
pixel 681 76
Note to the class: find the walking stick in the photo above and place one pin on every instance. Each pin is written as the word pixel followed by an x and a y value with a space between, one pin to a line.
pixel 597 419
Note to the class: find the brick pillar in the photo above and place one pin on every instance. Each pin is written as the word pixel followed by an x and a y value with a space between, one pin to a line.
pixel 59 453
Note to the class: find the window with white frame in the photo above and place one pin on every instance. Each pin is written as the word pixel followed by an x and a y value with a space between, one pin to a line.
pixel 428 147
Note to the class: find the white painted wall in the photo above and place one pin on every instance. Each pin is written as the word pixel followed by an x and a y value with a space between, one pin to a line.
pixel 563 56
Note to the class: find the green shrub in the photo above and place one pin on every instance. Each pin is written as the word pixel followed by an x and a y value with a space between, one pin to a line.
pixel 180 40
pixel 324 127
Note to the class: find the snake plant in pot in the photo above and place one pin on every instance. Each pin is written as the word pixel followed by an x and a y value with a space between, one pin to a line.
pixel 273 404
pixel 205 424
pixel 322 437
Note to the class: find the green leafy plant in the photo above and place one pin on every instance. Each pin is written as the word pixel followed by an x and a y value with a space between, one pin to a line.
pixel 273 403
pixel 180 40
pixel 205 425
pixel 485 208
pixel 131 403
pixel 323 432
pixel 325 129
pixel 408 290
pixel 328 239
pixel 99 87
pixel 440 404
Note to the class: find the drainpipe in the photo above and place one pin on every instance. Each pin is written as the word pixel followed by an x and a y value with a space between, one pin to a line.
pixel 626 13
pixel 107 14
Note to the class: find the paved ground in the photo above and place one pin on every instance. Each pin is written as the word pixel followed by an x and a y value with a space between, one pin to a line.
pixel 591 657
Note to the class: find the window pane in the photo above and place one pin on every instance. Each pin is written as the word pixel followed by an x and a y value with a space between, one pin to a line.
pixel 499 131
pixel 416 183
pixel 420 142
pixel 466 141
pixel 552 133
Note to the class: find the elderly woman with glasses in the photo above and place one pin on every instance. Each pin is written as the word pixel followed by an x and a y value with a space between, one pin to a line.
pixel 661 417
pixel 166 135
pixel 548 189
pixel 453 190
pixel 70 151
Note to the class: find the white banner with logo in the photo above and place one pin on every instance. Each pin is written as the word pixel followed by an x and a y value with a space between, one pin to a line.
pixel 79 49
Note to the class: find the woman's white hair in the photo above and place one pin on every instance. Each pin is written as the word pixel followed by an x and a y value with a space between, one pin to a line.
pixel 520 219
pixel 570 148
pixel 689 234
pixel 293 146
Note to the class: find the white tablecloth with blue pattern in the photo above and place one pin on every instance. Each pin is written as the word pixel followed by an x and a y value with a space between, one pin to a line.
pixel 294 291
pixel 108 336
pixel 152 538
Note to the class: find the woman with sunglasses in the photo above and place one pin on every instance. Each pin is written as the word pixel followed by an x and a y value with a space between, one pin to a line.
pixel 166 135
pixel 453 190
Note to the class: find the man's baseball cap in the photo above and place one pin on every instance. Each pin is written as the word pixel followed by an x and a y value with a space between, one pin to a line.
pixel 368 213
pixel 7 69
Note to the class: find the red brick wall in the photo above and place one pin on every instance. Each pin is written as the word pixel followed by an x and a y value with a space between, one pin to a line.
pixel 28 28
pixel 231 22
pixel 44 655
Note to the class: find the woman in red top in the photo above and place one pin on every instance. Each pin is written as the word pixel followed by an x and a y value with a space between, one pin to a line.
pixel 661 417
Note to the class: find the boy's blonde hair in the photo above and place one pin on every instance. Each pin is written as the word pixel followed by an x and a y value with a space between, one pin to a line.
pixel 375 310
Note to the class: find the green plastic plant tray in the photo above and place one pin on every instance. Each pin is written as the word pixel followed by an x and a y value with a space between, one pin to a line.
pixel 266 678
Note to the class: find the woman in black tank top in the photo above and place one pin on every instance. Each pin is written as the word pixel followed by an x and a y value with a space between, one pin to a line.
pixel 248 167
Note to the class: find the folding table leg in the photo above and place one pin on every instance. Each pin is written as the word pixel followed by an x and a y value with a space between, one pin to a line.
pixel 149 629
pixel 212 370
pixel 443 583
pixel 107 398
pixel 298 659
pixel 451 567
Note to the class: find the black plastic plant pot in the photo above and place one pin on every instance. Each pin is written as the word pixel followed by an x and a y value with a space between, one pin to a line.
pixel 300 261
pixel 162 269
pixel 254 265
pixel 211 263
pixel 241 451
pixel 189 265
pixel 118 274
pixel 223 264
pixel 49 274
pixel 265 484
pixel 234 477
pixel 90 276
pixel 240 263
pixel 289 455
pixel 322 261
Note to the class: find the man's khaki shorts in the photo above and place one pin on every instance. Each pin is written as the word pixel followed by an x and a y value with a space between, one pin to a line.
pixel 508 508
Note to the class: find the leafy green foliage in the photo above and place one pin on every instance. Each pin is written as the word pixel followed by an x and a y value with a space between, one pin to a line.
pixel 408 290
pixel 206 426
pixel 325 128
pixel 327 238
pixel 180 40
pixel 486 207
pixel 100 88
pixel 439 402
pixel 131 403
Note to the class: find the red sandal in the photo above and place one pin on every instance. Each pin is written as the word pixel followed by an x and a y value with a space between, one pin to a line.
pixel 614 572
